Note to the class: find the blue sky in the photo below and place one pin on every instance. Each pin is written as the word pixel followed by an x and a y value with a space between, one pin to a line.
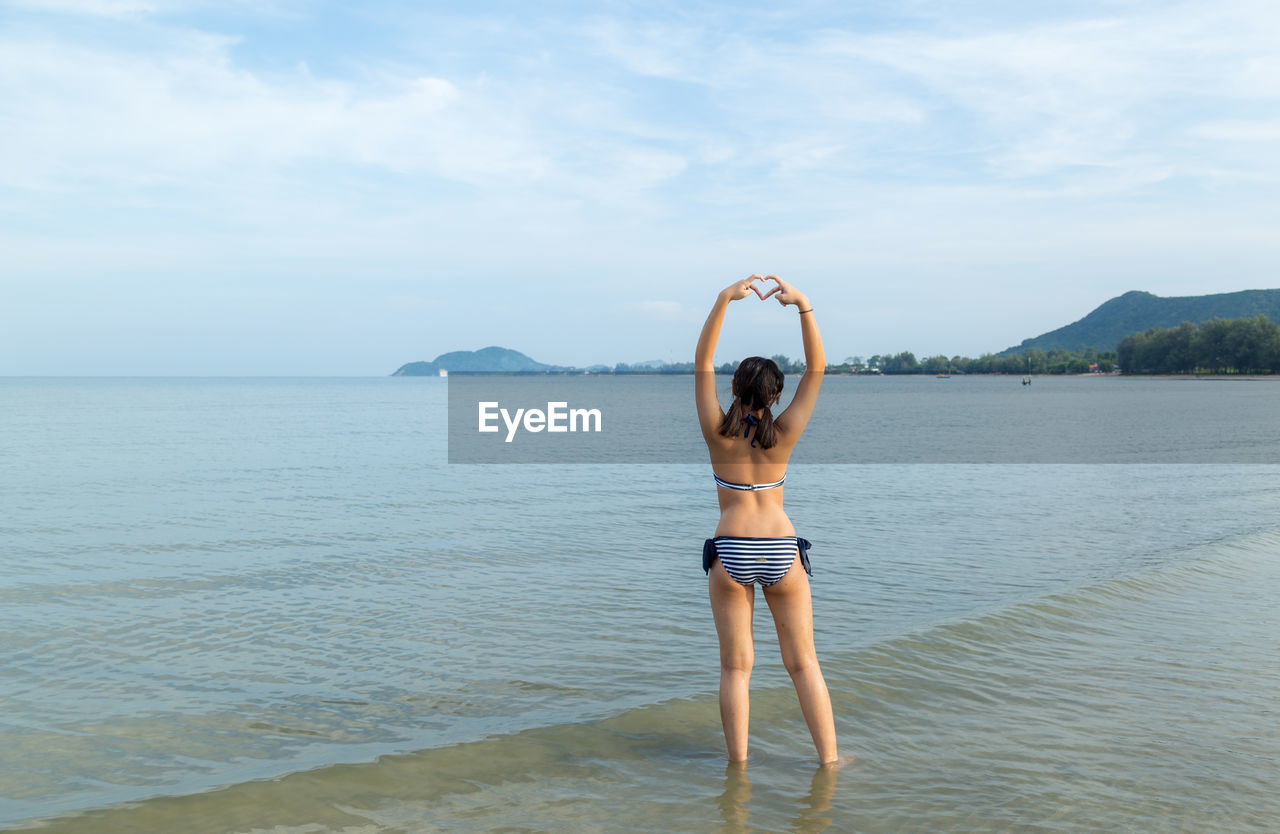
pixel 335 188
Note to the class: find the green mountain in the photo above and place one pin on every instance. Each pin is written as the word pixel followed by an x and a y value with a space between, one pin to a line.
pixel 490 359
pixel 1137 311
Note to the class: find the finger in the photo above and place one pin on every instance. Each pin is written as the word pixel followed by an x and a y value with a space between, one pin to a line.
pixel 757 289
pixel 770 292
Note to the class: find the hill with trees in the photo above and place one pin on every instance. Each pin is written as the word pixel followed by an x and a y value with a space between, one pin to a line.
pixel 1136 312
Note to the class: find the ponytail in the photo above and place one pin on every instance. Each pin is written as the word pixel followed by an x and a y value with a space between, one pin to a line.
pixel 758 382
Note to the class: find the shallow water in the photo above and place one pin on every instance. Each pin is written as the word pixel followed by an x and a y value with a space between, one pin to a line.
pixel 267 605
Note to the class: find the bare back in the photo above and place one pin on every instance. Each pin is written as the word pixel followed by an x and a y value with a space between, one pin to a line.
pixel 754 512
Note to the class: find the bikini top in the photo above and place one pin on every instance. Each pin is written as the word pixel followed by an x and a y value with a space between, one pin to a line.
pixel 751 487
pixel 752 420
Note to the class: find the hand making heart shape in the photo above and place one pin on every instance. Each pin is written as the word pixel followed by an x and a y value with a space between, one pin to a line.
pixel 787 294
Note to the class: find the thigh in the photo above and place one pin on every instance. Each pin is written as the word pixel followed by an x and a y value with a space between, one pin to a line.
pixel 792 610
pixel 732 605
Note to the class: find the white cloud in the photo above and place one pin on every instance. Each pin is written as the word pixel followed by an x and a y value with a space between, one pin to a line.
pixel 137 10
pixel 653 49
pixel 1096 92
pixel 1266 130
pixel 93 8
pixel 190 115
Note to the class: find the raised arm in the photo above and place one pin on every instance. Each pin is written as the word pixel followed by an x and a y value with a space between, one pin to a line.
pixel 710 414
pixel 796 417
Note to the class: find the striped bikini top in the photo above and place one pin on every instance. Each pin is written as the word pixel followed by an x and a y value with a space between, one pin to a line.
pixel 752 420
pixel 747 487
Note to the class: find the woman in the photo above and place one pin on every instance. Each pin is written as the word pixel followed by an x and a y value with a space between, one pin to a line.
pixel 755 541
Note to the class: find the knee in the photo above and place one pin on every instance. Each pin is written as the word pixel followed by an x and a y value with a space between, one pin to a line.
pixel 737 662
pixel 801 663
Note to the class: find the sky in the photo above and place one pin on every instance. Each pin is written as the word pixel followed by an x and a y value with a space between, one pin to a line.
pixel 311 188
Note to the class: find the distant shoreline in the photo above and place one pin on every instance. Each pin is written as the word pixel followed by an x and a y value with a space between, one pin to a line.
pixel 1206 377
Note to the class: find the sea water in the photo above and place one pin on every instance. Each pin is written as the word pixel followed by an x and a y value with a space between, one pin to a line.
pixel 262 605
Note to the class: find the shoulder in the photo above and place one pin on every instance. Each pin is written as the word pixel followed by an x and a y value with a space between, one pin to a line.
pixel 720 444
pixel 784 440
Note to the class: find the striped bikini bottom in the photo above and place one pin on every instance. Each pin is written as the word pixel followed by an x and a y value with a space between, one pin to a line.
pixel 748 559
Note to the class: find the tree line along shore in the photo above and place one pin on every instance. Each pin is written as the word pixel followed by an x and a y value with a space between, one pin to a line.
pixel 1217 346
pixel 1247 346
pixel 1244 346
pixel 1033 361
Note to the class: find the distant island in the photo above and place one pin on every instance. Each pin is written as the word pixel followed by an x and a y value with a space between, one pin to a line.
pixel 1137 332
pixel 486 360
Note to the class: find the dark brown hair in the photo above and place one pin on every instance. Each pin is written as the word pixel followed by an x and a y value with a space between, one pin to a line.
pixel 758 382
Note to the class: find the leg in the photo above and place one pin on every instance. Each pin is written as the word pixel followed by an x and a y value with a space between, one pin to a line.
pixel 733 802
pixel 792 610
pixel 732 605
